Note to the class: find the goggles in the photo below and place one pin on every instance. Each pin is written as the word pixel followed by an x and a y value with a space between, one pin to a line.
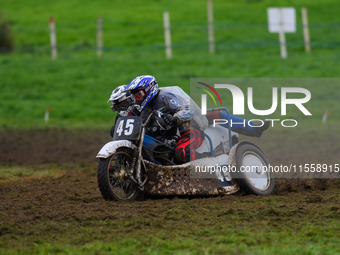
pixel 139 95
pixel 119 106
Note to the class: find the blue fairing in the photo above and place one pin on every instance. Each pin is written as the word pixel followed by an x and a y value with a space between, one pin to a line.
pixel 150 142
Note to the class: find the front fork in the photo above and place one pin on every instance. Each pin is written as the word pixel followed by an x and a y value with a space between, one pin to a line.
pixel 136 164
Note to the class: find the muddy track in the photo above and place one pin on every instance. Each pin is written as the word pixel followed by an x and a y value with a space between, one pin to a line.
pixel 44 208
pixel 79 147
pixel 75 196
pixel 54 208
pixel 34 147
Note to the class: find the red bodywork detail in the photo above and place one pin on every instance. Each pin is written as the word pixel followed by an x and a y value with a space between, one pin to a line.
pixel 213 115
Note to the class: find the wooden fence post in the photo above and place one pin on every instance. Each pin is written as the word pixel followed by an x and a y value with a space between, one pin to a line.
pixel 282 37
pixel 211 26
pixel 53 39
pixel 99 37
pixel 168 50
pixel 305 29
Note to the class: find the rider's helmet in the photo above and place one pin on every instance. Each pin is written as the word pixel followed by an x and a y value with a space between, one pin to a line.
pixel 144 88
pixel 121 100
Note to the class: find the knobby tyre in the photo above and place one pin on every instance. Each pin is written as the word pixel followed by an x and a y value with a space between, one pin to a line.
pixel 111 178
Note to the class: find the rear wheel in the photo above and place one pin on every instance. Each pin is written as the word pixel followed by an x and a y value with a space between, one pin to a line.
pixel 253 175
pixel 111 178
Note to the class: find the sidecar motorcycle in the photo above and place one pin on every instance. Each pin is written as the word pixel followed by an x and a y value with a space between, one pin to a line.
pixel 135 163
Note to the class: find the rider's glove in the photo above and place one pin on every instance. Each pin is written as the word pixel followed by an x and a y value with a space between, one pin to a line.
pixel 170 120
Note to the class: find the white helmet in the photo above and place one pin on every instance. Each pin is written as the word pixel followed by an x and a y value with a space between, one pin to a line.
pixel 121 101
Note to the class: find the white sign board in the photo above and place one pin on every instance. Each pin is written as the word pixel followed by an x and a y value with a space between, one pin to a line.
pixel 281 20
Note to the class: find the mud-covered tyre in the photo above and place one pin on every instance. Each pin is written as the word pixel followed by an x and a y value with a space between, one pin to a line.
pixel 251 176
pixel 112 183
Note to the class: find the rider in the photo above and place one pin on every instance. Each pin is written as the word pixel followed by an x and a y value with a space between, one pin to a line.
pixel 121 103
pixel 178 109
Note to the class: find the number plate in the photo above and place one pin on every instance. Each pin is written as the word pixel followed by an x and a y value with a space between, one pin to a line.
pixel 127 128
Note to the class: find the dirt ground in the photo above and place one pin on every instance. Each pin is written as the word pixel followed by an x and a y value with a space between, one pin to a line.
pixel 72 197
pixel 78 148
pixel 34 147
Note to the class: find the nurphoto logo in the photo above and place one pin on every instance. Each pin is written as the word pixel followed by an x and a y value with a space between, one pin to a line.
pixel 296 96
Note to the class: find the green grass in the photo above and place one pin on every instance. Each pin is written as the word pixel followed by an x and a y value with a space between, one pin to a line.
pixel 77 85
pixel 243 242
pixel 16 173
pixel 130 23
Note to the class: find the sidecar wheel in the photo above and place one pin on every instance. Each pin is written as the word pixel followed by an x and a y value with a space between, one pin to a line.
pixel 251 176
pixel 112 183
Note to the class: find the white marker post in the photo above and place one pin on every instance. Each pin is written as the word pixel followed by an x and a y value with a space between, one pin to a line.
pixel 305 29
pixel 211 38
pixel 282 20
pixel 167 36
pixel 47 114
pixel 99 37
pixel 324 117
pixel 53 38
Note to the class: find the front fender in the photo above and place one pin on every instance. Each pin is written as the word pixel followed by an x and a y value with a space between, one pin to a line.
pixel 111 147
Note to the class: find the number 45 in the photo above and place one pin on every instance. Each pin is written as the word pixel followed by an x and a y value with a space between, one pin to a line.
pixel 128 128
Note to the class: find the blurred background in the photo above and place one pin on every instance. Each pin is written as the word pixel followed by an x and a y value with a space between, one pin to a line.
pixel 75 84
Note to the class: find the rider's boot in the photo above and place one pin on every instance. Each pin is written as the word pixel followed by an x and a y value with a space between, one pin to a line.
pixel 202 155
pixel 257 131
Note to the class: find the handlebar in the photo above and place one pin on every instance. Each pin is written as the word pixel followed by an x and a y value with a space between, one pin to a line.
pixel 148 119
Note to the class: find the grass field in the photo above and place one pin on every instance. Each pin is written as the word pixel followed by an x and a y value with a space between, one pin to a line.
pixel 49 201
pixel 77 88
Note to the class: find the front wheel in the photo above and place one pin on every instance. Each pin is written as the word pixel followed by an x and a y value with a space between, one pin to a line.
pixel 253 174
pixel 111 177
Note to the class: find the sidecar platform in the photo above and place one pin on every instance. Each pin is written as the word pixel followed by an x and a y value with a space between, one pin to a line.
pixel 176 180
